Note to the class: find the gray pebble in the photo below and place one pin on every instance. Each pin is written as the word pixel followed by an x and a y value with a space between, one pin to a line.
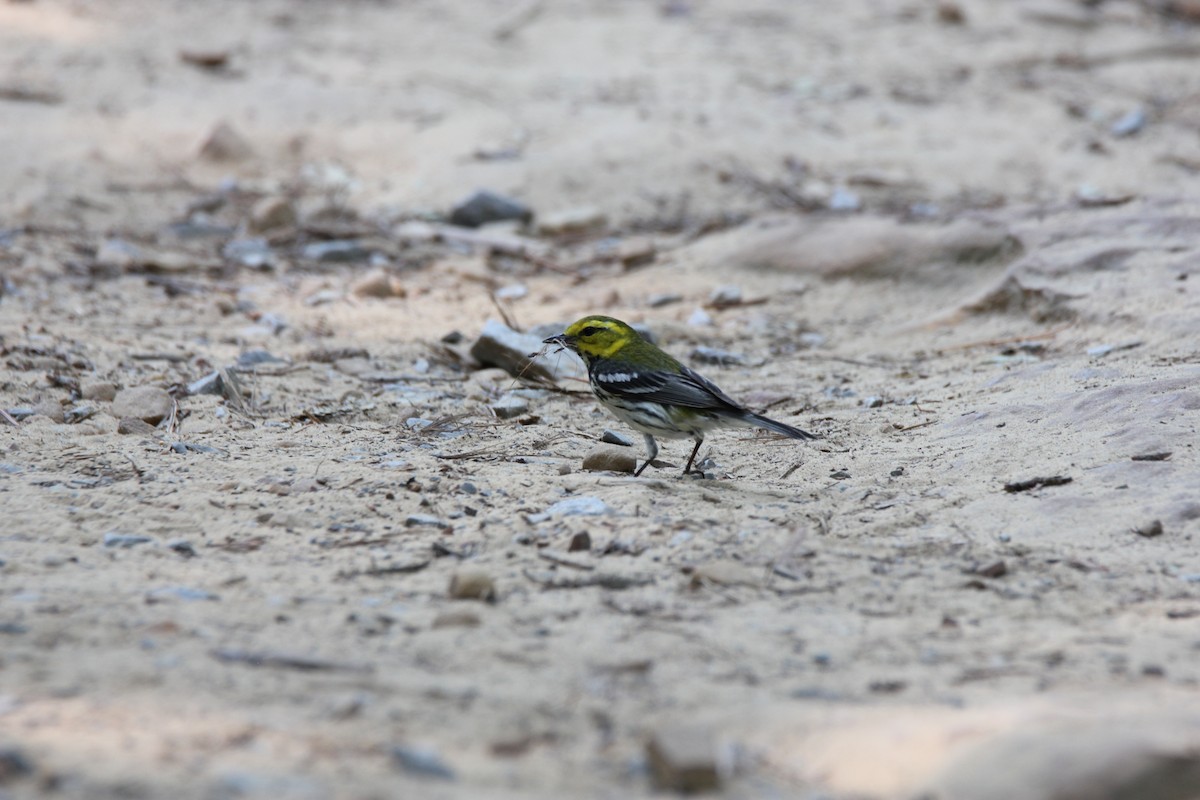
pixel 485 206
pixel 339 251
pixel 422 761
pixel 583 506
pixel 185 593
pixel 612 437
pixel 125 540
pixel 416 520
pixel 510 406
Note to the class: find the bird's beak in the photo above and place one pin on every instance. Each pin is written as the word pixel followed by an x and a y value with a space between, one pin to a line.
pixel 562 340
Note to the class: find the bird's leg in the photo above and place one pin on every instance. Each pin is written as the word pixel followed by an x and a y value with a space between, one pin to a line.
pixel 651 453
pixel 692 457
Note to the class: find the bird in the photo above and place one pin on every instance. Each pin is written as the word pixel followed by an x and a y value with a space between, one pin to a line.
pixel 652 392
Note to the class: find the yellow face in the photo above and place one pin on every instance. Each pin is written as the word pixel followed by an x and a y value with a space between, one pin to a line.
pixel 598 336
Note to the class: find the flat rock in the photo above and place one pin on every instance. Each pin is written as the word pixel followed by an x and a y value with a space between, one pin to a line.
pixel 518 354
pixel 147 403
pixel 133 425
pixel 457 618
pixel 485 207
pixel 608 459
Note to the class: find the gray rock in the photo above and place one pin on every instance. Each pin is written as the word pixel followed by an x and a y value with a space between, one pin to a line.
pixel 209 384
pixel 147 403
pixel 252 252
pixel 339 251
pixel 612 437
pixel 185 593
pixel 485 206
pixel 510 406
pixel 118 253
pixel 423 520
pixel 500 346
pixel 582 506
pixel 1130 123
pixel 125 540
pixel 712 355
pixel 606 459
pixel 665 299
pixel 422 761
pixel 725 296
pixel 257 358
pixel 14 764
pixel 90 389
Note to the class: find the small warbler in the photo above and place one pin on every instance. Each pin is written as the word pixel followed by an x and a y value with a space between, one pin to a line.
pixel 653 393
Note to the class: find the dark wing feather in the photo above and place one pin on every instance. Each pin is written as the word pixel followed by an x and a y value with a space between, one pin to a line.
pixel 686 388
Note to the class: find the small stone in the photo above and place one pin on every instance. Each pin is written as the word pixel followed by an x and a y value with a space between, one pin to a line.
pixel 580 542
pixel 97 390
pixel 485 206
pixel 422 761
pixel 378 283
pixel 633 253
pixel 50 408
pixel 700 319
pixel 338 251
pixel 683 759
pixel 572 222
pixel 725 296
pixel 510 406
pixel 582 506
pixel 460 618
pixel 132 425
pixel 118 253
pixel 252 252
pixel 664 299
pixel 844 200
pixel 950 13
pixel 147 403
pixel 14 764
pixel 472 585
pixel 270 213
pixel 423 520
pixel 612 437
pixel 185 593
pixel 514 291
pixel 873 401
pixel 125 540
pixel 223 143
pixel 712 355
pixel 1150 529
pixel 606 459
pixel 1129 124
pixel 183 547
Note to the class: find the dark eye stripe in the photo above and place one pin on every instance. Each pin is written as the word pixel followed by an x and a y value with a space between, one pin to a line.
pixel 589 331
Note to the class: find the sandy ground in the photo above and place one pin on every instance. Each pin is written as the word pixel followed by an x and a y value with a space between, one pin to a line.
pixel 965 240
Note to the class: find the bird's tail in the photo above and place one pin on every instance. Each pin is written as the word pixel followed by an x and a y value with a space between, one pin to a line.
pixel 758 420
